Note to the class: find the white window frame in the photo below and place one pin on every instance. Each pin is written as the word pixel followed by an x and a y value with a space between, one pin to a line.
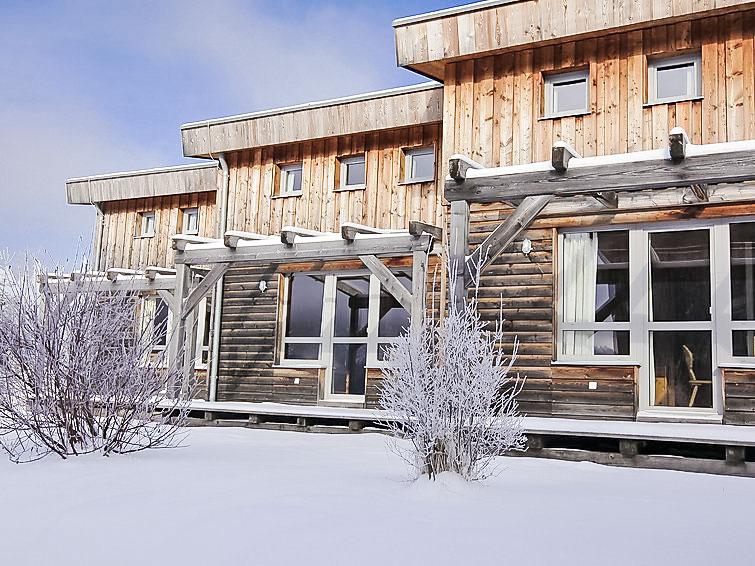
pixel 326 340
pixel 186 214
pixel 640 326
pixel 344 163
pixel 168 327
pixel 203 320
pixel 553 80
pixel 409 154
pixel 694 90
pixel 147 229
pixel 285 171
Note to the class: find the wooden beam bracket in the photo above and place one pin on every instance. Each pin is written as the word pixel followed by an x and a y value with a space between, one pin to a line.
pixel 417 228
pixel 561 153
pixel 388 280
pixel 289 233
pixel 203 287
pixel 232 238
pixel 458 165
pixel 677 144
pixel 609 199
pixel 349 230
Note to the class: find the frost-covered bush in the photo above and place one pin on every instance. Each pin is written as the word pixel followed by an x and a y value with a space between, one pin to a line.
pixel 447 385
pixel 77 373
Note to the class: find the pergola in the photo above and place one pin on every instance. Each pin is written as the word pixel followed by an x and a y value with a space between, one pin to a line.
pixel 704 172
pixel 292 245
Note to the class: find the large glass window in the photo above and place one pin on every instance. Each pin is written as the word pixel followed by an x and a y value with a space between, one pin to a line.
pixel 742 274
pixel 303 322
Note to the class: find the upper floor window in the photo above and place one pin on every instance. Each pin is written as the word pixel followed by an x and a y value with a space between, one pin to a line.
pixel 419 165
pixel 567 94
pixel 351 172
pixel 148 224
pixel 290 179
pixel 674 78
pixel 190 221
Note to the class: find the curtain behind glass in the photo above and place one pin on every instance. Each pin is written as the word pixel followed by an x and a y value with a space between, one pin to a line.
pixel 580 276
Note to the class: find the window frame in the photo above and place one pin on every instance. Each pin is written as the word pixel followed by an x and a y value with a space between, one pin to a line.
pixel 283 171
pixel 408 154
pixel 144 218
pixel 551 80
pixel 654 63
pixel 186 213
pixel 343 165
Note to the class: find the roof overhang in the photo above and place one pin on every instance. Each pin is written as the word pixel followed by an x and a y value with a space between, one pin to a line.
pixel 179 180
pixel 425 43
pixel 383 110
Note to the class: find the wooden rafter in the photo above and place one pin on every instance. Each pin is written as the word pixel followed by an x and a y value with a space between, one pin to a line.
pixel 388 280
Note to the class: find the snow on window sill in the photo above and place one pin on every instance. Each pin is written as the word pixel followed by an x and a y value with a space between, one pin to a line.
pixel 595 362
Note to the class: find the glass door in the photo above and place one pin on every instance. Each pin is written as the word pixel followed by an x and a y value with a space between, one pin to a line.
pixel 680 326
pixel 347 368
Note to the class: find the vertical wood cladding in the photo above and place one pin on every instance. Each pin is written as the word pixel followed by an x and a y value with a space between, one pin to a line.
pixel 385 202
pixel 248 344
pixel 493 104
pixel 739 397
pixel 121 245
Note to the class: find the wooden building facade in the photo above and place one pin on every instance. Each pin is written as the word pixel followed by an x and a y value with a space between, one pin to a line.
pixel 514 79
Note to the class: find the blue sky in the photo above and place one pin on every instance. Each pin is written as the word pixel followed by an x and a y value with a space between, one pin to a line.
pixel 97 87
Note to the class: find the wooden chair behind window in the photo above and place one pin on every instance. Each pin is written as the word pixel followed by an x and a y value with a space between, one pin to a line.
pixel 689 361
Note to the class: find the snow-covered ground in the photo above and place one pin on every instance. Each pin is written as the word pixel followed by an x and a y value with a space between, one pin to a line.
pixel 267 497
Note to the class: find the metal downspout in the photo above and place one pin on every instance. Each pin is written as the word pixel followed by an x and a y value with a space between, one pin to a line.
pixel 98 235
pixel 217 304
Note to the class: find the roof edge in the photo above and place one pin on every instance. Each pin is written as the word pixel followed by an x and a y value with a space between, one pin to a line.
pixel 430 85
pixel 451 11
pixel 170 169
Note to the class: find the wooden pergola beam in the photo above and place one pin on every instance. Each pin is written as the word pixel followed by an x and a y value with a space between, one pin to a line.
pixel 349 230
pixel 388 280
pixel 289 233
pixel 502 236
pixel 417 228
pixel 681 164
pixel 200 291
pixel 232 238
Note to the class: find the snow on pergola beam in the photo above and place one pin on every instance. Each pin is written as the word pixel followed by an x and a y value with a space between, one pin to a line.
pixel 681 164
pixel 111 280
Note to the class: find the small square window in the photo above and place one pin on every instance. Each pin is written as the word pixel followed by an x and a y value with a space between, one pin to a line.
pixel 148 224
pixel 419 165
pixel 567 94
pixel 190 221
pixel 352 172
pixel 673 79
pixel 289 180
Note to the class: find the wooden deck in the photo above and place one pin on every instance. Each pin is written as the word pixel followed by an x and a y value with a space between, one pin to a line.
pixel 707 448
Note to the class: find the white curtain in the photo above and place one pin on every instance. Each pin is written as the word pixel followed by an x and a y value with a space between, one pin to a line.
pixel 580 277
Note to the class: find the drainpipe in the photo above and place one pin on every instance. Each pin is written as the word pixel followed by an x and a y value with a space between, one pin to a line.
pixel 217 303
pixel 99 233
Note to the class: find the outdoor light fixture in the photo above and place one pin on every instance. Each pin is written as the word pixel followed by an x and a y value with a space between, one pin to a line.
pixel 263 286
pixel 526 246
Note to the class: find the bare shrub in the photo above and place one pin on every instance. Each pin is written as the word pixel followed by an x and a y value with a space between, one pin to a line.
pixel 447 384
pixel 77 374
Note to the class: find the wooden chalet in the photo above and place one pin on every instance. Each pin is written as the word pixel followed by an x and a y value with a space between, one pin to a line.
pixel 594 158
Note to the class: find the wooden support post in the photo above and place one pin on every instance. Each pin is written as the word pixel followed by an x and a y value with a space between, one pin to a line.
pixel 388 280
pixel 255 419
pixel 356 426
pixel 178 337
pixel 419 289
pixel 200 291
pixel 561 153
pixel 534 443
pixel 629 447
pixel 503 235
pixel 302 421
pixel 458 247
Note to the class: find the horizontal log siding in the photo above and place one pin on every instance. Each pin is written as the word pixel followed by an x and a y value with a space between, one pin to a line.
pixel 248 344
pixel 492 105
pixel 121 246
pixel 384 203
pixel 739 397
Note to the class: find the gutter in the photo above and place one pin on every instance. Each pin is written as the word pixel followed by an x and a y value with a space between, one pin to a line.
pixel 99 233
pixel 217 303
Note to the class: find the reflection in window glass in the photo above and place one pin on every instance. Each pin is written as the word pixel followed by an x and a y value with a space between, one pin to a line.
pixel 420 164
pixel 675 81
pixel 612 281
pixel 743 342
pixel 352 172
pixel 394 319
pixel 569 96
pixel 680 275
pixel 297 351
pixel 597 343
pixel 742 253
pixel 349 361
pixel 352 303
pixel 682 369
pixel 304 316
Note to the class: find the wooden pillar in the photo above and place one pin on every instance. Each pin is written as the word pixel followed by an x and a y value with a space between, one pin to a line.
pixel 458 248
pixel 176 356
pixel 419 289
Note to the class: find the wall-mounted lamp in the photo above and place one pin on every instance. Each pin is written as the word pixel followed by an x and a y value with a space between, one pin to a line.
pixel 263 286
pixel 526 246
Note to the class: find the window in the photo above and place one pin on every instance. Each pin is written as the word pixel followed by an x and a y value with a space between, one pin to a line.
pixel 290 179
pixel 567 94
pixel 204 318
pixel 190 221
pixel 341 322
pixel 419 165
pixel 148 224
pixel 155 321
pixel 351 172
pixel 677 300
pixel 674 78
